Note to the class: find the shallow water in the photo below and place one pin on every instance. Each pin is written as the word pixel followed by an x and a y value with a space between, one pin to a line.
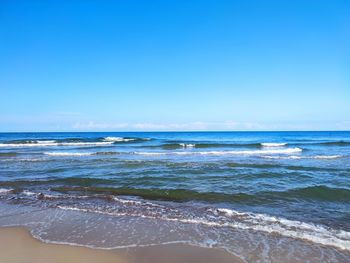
pixel 265 196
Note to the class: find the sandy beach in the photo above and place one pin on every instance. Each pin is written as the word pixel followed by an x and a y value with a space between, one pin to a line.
pixel 18 246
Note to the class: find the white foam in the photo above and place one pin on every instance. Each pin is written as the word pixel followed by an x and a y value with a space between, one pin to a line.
pixel 46 141
pixel 68 153
pixel 187 145
pixel 118 139
pixel 256 222
pixel 295 157
pixel 53 143
pixel 29 193
pixel 84 143
pixel 32 144
pixel 135 202
pixel 5 191
pixel 253 152
pixel 327 156
pixel 292 157
pixel 125 201
pixel 295 229
pixel 273 144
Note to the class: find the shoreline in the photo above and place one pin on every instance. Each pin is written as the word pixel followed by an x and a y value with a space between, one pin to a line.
pixel 17 245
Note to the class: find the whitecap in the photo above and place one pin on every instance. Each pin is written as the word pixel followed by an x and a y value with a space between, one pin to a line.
pixel 29 193
pixel 5 191
pixel 187 145
pixel 68 153
pixel 118 139
pixel 254 152
pixel 273 144
pixel 327 156
pixel 52 143
pixel 295 157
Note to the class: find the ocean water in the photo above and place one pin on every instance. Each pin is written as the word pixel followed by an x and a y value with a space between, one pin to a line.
pixel 264 196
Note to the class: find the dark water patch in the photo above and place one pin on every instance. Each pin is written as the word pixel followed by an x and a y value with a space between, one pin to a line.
pixel 87 181
pixel 282 166
pixel 22 183
pixel 336 143
pixel 8 154
pixel 177 195
pixel 322 193
pixel 172 145
pixel 69 181
pixel 330 143
pixel 107 153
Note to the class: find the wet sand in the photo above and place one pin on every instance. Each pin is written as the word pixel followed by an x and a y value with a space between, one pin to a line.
pixel 18 246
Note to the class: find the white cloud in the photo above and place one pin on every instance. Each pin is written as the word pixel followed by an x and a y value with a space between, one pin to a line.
pixel 150 126
pixel 99 126
pixel 205 126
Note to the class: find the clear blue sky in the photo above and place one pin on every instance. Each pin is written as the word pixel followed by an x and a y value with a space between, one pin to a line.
pixel 174 65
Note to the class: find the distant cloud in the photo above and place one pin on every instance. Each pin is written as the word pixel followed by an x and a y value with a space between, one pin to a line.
pixel 98 126
pixel 228 125
pixel 172 126
pixel 190 126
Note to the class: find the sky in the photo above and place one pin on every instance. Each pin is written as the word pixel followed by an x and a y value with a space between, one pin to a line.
pixel 172 65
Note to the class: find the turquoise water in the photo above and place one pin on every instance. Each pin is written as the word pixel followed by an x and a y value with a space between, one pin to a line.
pixel 221 189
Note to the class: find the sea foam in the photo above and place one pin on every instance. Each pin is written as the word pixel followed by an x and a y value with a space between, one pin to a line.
pixel 246 221
pixel 68 153
pixel 5 190
pixel 118 139
pixel 53 143
pixel 254 152
pixel 273 144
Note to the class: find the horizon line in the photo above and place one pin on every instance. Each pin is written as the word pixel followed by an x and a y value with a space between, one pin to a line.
pixel 155 131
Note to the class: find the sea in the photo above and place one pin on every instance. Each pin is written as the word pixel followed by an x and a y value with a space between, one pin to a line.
pixel 262 196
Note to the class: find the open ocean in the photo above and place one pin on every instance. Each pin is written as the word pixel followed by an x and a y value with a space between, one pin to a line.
pixel 264 196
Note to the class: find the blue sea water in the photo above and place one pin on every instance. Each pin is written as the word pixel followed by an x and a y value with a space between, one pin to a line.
pixel 283 195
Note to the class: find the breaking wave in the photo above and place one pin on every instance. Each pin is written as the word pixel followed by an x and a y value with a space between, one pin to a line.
pixel 253 152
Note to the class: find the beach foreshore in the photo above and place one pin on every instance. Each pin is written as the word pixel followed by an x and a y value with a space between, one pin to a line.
pixel 18 246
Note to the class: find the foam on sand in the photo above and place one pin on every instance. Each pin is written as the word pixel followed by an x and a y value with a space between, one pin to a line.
pixel 16 239
pixel 223 218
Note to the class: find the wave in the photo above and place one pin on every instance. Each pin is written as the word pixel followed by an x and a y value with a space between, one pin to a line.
pixel 68 153
pixel 124 139
pixel 53 143
pixel 334 143
pixel 291 228
pixel 203 145
pixel 295 157
pixel 326 156
pixel 187 145
pixel 272 144
pixel 228 218
pixel 70 142
pixel 79 153
pixel 8 154
pixel 281 166
pixel 106 153
pixel 319 192
pixel 5 190
pixel 254 152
